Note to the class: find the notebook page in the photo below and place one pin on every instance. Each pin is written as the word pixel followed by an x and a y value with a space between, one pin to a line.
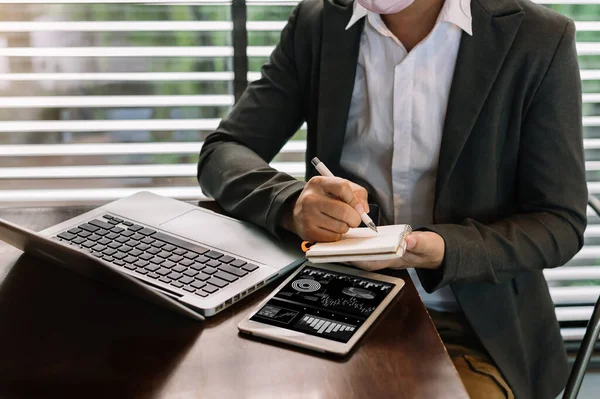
pixel 362 240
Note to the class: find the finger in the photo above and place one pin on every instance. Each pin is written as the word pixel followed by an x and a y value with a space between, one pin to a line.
pixel 365 206
pixel 342 189
pixel 411 242
pixel 362 195
pixel 341 211
pixel 334 225
pixel 420 243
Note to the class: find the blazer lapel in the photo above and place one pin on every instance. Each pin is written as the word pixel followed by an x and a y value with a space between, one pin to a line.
pixel 480 58
pixel 339 57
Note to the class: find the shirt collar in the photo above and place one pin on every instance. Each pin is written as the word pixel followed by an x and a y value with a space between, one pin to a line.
pixel 457 12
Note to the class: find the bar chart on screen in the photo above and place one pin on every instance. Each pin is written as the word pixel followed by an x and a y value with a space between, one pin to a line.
pixel 327 327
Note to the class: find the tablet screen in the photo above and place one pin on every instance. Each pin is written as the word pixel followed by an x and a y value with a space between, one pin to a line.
pixel 324 303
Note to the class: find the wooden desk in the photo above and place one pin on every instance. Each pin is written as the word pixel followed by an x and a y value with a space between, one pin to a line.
pixel 64 335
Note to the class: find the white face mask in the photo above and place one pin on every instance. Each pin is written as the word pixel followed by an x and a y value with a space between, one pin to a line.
pixel 385 6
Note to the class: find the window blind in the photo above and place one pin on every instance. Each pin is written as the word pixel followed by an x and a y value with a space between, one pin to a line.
pixel 99 100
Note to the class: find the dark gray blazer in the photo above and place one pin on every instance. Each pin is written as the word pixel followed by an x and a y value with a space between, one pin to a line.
pixel 511 191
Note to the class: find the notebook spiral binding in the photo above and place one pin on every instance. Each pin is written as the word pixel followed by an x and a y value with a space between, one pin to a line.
pixel 406 232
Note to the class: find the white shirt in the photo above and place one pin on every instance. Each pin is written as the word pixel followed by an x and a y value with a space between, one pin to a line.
pixel 396 118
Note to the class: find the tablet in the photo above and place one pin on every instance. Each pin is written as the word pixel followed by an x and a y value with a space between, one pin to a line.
pixel 323 307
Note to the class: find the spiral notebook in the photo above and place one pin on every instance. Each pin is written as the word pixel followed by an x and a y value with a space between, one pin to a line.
pixel 362 244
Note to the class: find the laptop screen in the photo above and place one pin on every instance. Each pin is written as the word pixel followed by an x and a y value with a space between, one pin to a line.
pixel 324 303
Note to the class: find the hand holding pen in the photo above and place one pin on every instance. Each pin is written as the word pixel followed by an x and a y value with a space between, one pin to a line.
pixel 327 208
pixel 352 201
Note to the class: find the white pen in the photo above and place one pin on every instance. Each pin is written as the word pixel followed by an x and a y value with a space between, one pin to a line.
pixel 324 171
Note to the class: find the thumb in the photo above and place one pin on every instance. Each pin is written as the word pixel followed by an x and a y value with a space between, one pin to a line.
pixel 412 242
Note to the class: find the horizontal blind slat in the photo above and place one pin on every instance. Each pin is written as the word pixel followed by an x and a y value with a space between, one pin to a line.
pixel 575 295
pixel 116 101
pixel 132 51
pixel 591 144
pixel 591 121
pixel 123 171
pixel 594 188
pixel 135 26
pixel 591 97
pixel 574 313
pixel 570 273
pixel 109 125
pixel 123 51
pixel 593 230
pixel 572 334
pixel 92 194
pixel 587 26
pixel 592 165
pixel 37 150
pixel 140 2
pixel 115 26
pixel 590 74
pixel 125 76
pixel 589 251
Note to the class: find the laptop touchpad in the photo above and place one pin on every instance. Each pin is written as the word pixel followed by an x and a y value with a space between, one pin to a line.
pixel 235 237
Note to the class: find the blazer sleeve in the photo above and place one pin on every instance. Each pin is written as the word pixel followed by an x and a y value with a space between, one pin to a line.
pixel 233 167
pixel 548 229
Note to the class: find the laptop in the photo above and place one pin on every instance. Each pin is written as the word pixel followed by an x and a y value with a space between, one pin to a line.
pixel 185 258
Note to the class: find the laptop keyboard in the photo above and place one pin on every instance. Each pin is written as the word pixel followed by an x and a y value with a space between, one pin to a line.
pixel 157 255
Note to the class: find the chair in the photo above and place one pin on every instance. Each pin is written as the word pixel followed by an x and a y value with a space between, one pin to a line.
pixel 589 339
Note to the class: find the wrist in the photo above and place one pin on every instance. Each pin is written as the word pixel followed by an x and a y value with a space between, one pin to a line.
pixel 287 217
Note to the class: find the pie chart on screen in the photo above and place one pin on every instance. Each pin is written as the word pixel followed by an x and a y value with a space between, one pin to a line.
pixel 358 293
pixel 306 285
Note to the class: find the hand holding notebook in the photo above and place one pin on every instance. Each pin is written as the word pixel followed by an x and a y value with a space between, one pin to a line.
pixel 362 244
